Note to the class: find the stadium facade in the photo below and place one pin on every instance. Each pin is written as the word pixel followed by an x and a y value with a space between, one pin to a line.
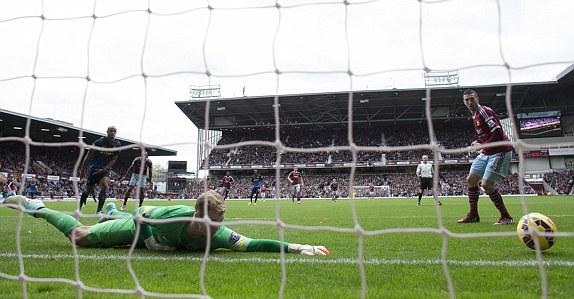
pixel 390 117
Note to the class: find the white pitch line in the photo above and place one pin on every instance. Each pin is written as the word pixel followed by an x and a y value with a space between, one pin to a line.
pixel 360 217
pixel 300 260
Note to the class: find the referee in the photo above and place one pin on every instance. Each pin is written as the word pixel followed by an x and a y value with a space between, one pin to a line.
pixel 424 173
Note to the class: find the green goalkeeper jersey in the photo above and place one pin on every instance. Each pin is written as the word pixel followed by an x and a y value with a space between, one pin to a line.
pixel 116 233
pixel 174 234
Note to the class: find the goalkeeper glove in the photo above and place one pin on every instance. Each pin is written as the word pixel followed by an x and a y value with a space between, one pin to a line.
pixel 152 244
pixel 308 249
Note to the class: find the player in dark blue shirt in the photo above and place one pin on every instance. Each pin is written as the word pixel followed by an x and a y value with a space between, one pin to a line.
pixel 256 184
pixel 98 165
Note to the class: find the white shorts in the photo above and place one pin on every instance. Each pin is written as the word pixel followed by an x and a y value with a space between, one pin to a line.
pixel 296 188
pixel 134 180
pixel 491 167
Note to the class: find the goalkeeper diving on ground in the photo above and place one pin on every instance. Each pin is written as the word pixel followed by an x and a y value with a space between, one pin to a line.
pixel 180 235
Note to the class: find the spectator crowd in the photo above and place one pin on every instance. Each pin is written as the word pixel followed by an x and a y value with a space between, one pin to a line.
pixel 561 180
pixel 51 169
pixel 450 136
pixel 46 162
pixel 451 183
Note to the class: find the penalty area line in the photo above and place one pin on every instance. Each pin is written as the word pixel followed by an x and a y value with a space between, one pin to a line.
pixel 301 260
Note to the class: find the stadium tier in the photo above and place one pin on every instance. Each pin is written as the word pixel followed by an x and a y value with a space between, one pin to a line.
pixel 449 135
pixel 402 185
pixel 50 168
pixel 382 121
pixel 562 180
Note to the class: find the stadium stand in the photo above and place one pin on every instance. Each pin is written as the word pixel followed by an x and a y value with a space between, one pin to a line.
pixel 50 169
pixel 450 135
pixel 387 118
pixel 452 131
pixel 452 183
pixel 561 180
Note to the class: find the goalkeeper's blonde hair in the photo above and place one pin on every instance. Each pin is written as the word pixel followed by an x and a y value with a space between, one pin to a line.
pixel 215 205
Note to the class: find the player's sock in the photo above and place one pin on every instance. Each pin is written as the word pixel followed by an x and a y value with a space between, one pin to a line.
pixel 101 199
pixel 83 198
pixel 126 200
pixel 420 196
pixel 473 200
pixel 63 222
pixel 499 203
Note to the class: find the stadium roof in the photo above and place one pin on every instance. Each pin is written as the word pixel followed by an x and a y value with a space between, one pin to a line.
pixel 369 106
pixel 13 124
pixel 567 76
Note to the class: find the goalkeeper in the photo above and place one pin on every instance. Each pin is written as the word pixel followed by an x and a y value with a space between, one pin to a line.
pixel 177 235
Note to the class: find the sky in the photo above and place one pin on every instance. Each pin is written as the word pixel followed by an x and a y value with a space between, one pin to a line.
pixel 313 44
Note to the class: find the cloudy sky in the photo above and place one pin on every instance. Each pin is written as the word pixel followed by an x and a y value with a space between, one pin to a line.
pixel 314 44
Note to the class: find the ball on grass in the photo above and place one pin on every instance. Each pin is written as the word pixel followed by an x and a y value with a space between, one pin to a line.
pixel 539 223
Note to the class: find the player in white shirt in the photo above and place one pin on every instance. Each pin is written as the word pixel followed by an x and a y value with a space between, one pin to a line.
pixel 386 190
pixel 425 173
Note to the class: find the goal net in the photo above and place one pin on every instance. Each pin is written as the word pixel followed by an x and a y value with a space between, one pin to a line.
pixel 98 63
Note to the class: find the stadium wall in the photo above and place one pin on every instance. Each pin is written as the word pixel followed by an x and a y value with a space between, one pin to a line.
pixel 557 162
pixel 549 141
pixel 537 164
pixel 543 164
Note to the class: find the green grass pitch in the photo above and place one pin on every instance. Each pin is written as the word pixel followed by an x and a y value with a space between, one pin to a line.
pixel 397 265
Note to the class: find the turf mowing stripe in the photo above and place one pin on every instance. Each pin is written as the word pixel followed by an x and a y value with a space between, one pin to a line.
pixel 328 261
pixel 364 217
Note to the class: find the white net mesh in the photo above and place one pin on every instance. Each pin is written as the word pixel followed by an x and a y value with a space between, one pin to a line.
pixel 94 70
